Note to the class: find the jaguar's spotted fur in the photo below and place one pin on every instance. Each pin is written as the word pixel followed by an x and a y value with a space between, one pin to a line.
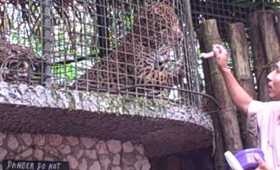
pixel 19 64
pixel 142 55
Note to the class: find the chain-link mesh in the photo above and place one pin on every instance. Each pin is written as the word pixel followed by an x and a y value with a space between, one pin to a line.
pixel 127 47
pixel 224 11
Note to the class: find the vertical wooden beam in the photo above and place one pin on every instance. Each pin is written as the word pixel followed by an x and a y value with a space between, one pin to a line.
pixel 265 47
pixel 240 55
pixel 209 35
pixel 218 135
pixel 277 23
pixel 269 36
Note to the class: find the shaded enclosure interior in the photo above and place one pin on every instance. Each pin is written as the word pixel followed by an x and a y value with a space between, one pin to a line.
pixel 138 48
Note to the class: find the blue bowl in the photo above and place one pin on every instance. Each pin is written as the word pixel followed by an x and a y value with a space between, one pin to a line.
pixel 247 158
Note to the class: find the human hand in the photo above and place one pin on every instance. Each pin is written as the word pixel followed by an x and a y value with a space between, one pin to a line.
pixel 262 163
pixel 221 56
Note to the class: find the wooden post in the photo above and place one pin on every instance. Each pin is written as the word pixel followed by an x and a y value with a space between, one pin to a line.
pixel 259 57
pixel 277 23
pixel 240 55
pixel 269 36
pixel 265 46
pixel 218 148
pixel 218 135
pixel 209 35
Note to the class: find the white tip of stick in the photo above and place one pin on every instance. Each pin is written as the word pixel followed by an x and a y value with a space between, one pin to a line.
pixel 207 55
pixel 232 161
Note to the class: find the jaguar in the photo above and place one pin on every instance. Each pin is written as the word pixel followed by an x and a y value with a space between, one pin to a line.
pixel 19 64
pixel 140 62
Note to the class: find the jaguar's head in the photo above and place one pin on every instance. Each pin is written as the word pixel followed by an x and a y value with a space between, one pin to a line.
pixel 158 24
pixel 19 63
pixel 17 69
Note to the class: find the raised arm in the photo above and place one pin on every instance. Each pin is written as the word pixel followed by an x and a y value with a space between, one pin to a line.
pixel 239 96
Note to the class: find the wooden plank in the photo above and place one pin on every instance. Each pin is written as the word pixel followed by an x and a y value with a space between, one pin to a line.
pixel 208 36
pixel 240 55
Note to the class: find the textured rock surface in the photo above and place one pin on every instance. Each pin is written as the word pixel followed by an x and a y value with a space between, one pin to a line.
pixel 79 156
pixel 154 123
pixel 99 102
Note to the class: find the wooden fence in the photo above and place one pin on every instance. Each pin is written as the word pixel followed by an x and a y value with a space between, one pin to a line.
pixel 253 49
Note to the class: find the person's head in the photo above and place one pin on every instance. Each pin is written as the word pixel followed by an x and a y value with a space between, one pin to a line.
pixel 274 82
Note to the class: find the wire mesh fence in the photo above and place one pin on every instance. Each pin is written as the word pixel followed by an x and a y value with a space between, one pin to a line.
pixel 127 47
pixel 224 11
pixel 227 12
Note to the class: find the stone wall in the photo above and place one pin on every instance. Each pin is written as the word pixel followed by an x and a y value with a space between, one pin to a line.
pixel 39 96
pixel 82 153
pixel 163 126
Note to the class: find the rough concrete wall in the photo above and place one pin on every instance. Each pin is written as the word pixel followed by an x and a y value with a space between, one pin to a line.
pixel 162 126
pixel 82 153
pixel 42 97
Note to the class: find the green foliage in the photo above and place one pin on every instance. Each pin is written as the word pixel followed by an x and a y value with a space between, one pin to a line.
pixel 75 34
pixel 128 22
pixel 32 41
pixel 66 71
pixel 122 22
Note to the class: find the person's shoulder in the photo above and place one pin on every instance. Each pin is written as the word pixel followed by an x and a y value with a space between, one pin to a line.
pixel 268 103
pixel 256 106
pixel 275 105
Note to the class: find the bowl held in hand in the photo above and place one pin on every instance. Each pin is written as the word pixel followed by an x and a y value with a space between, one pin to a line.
pixel 247 158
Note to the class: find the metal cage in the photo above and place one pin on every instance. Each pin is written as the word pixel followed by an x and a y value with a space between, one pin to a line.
pixel 128 47
pixel 225 11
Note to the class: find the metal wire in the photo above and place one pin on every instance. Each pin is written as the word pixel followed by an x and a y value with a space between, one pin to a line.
pixel 128 47
pixel 224 11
